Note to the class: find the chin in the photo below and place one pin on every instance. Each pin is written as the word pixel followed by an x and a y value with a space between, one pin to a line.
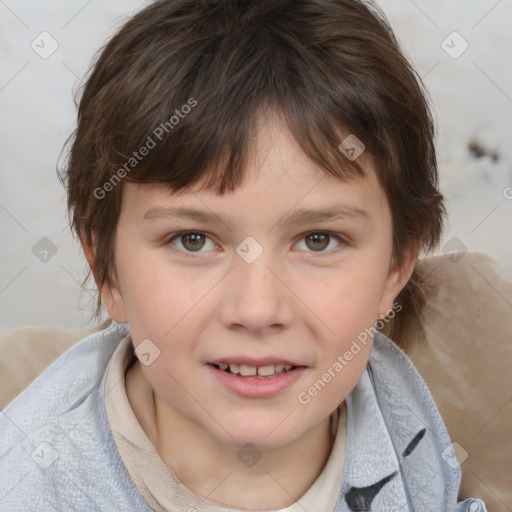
pixel 265 435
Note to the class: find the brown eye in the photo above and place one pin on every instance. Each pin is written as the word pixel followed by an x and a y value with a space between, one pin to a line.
pixel 191 244
pixel 321 243
pixel 192 241
pixel 317 241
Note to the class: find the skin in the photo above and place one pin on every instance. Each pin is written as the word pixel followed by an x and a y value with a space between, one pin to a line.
pixel 296 300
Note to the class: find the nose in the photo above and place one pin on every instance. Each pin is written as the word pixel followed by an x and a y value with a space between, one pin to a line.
pixel 255 298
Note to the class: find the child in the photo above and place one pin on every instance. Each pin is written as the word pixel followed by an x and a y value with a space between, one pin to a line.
pixel 290 145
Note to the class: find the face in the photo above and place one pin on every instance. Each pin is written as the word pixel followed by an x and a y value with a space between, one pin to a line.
pixel 286 271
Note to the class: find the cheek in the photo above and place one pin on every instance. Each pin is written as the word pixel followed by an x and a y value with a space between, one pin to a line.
pixel 345 355
pixel 165 306
pixel 348 306
pixel 348 302
pixel 156 295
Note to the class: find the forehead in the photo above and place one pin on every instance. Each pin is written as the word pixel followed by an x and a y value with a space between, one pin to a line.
pixel 278 179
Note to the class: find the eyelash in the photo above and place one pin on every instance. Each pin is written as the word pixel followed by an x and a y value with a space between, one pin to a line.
pixel 178 235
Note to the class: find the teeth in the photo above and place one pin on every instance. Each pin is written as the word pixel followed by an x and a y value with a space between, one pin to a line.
pixel 265 371
pixel 249 371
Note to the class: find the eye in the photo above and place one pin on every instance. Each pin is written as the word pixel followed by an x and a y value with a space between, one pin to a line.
pixel 190 242
pixel 319 241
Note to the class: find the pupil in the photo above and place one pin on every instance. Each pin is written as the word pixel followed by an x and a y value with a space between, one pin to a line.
pixel 320 241
pixel 192 241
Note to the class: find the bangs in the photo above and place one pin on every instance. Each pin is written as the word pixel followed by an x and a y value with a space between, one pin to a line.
pixel 193 104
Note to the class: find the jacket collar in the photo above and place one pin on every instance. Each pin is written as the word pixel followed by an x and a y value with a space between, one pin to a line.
pixel 399 454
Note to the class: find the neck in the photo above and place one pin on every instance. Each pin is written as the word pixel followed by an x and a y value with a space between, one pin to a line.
pixel 230 476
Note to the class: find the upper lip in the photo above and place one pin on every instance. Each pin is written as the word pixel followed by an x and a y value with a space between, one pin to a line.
pixel 253 361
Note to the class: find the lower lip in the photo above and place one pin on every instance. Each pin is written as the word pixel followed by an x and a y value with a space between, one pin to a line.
pixel 252 387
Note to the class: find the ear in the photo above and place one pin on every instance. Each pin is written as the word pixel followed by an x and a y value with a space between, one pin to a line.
pixel 110 294
pixel 397 278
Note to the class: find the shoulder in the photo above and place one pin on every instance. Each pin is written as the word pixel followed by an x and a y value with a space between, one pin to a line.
pixel 66 382
pixel 463 351
pixel 27 350
pixel 56 448
pixel 412 419
pixel 397 381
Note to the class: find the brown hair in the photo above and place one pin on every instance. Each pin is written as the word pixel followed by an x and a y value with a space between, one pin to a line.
pixel 188 79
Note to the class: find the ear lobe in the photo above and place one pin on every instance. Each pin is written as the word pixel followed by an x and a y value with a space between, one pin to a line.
pixel 110 294
pixel 397 278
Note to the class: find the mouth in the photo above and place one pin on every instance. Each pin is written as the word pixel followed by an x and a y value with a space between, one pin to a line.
pixel 262 378
pixel 263 372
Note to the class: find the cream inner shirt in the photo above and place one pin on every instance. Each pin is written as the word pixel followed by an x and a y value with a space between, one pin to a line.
pixel 156 483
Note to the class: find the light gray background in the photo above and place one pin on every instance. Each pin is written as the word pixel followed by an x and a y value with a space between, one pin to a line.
pixel 472 95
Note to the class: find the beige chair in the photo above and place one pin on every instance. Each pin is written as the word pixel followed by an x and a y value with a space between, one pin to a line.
pixel 462 347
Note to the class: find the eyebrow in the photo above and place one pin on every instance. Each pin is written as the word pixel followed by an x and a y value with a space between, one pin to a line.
pixel 300 216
